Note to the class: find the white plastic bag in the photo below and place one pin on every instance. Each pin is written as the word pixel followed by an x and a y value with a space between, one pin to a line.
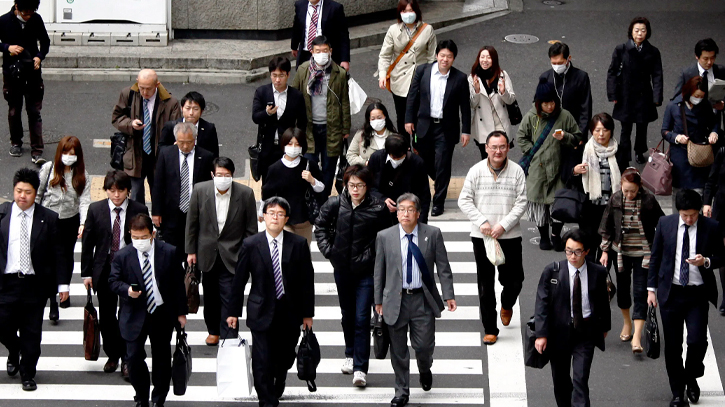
pixel 234 369
pixel 357 96
pixel 493 251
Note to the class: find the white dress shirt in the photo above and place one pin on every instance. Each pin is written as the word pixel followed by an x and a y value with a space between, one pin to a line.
pixel 141 260
pixel 695 278
pixel 13 261
pixel 279 250
pixel 318 29
pixel 195 124
pixel 280 100
pixel 190 161
pixel 417 279
pixel 438 83
pixel 221 202
pixel 151 104
pixel 710 75
pixel 124 207
pixel 586 307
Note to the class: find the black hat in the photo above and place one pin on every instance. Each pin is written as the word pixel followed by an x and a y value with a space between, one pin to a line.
pixel 545 91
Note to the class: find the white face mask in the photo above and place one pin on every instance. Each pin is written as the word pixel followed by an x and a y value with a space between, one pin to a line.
pixel 222 183
pixel 68 159
pixel 695 101
pixel 396 163
pixel 292 152
pixel 560 69
pixel 142 245
pixel 408 18
pixel 321 58
pixel 378 124
pixel 22 20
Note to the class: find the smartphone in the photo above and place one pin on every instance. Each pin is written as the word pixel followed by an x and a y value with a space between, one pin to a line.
pixel 270 104
pixel 691 259
pixel 135 288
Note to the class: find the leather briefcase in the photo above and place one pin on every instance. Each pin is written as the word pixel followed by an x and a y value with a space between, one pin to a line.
pixel 91 330
pixel 191 281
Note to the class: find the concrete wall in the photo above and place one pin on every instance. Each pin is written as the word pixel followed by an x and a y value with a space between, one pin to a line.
pixel 253 14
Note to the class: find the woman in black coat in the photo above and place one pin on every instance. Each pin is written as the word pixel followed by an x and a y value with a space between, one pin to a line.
pixel 634 84
pixel 714 203
pixel 345 231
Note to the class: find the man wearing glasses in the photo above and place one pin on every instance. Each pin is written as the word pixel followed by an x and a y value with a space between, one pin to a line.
pixel 406 295
pixel 572 317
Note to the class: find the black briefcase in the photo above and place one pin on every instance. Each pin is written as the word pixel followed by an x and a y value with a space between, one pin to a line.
pixel 308 357
pixel 532 357
pixel 568 205
pixel 181 365
pixel 652 340
pixel 118 149
pixel 381 337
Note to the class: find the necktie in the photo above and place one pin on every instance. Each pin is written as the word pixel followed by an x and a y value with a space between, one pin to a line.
pixel 278 285
pixel 148 280
pixel 184 189
pixel 706 84
pixel 409 261
pixel 312 29
pixel 577 302
pixel 147 129
pixel 24 244
pixel 684 254
pixel 116 240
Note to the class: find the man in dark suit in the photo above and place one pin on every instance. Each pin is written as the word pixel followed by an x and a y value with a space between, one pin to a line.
pixel 178 169
pixel 150 282
pixel 222 214
pixel 572 317
pixel 686 249
pixel 106 232
pixel 320 17
pixel 407 297
pixel 282 298
pixel 192 107
pixel 437 93
pixel 275 109
pixel 30 260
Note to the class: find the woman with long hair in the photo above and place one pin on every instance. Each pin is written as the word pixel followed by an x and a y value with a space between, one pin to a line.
pixel 371 137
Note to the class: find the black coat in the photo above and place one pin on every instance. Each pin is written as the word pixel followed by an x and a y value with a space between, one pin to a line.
pixel 577 94
pixel 354 232
pixel 334 27
pixel 287 183
pixel 410 176
pixel 612 220
pixel 715 188
pixel 12 33
pixel 634 80
pixel 206 138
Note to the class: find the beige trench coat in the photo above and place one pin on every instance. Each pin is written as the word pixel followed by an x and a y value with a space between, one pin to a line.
pixel 422 52
pixel 483 106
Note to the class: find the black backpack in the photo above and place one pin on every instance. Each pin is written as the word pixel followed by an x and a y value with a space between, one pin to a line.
pixel 308 357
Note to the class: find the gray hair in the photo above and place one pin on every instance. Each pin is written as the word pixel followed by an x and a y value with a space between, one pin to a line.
pixel 185 128
pixel 409 197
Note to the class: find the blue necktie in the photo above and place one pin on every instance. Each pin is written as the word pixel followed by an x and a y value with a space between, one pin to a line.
pixel 684 254
pixel 147 129
pixel 409 261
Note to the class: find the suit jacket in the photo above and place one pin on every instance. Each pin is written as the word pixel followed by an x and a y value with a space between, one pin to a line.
pixel 46 253
pixel 206 137
pixel 98 234
pixel 553 305
pixel 126 270
pixel 334 27
pixel 295 115
pixel 662 262
pixel 202 229
pixel 389 269
pixel 577 94
pixel 693 70
pixel 167 182
pixel 298 278
pixel 455 98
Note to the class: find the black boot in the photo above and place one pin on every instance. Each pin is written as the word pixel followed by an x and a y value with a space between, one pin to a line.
pixel 556 237
pixel 545 242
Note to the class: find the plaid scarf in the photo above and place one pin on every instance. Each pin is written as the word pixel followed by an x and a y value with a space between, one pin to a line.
pixel 316 79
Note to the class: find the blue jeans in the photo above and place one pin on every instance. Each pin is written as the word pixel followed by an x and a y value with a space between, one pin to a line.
pixel 356 300
pixel 329 164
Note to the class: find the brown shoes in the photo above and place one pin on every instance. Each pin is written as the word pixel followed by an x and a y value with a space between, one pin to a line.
pixel 212 340
pixel 506 315
pixel 124 371
pixel 489 339
pixel 110 366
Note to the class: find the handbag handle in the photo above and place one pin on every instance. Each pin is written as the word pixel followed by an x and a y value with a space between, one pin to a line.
pixel 89 297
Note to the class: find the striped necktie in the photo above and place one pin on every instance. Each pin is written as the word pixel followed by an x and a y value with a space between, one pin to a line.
pixel 312 29
pixel 278 285
pixel 184 189
pixel 148 279
pixel 147 129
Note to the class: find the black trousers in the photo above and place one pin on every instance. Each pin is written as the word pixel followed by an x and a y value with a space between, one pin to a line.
pixel 401 103
pixel 273 353
pixel 158 327
pixel 21 310
pixel 624 153
pixel 510 275
pixel 33 91
pixel 67 237
pixel 437 154
pixel 173 230
pixel 591 218
pixel 636 276
pixel 217 284
pixel 686 305
pixel 113 345
pixel 148 165
pixel 577 358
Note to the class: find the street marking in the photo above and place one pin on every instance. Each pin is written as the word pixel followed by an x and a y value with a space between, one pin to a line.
pixel 711 390
pixel 102 143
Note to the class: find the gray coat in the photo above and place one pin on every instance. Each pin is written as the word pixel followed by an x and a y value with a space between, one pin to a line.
pixel 389 269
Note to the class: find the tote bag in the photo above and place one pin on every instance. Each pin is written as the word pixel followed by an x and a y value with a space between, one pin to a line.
pixel 234 369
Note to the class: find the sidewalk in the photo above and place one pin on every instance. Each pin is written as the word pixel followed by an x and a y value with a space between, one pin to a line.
pixel 230 61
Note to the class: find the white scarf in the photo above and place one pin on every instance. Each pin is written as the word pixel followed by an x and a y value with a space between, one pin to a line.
pixel 592 180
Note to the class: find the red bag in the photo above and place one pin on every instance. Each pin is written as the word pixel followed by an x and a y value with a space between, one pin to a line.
pixel 657 173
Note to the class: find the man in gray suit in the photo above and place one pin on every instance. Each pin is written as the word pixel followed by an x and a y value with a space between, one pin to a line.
pixel 406 294
pixel 221 214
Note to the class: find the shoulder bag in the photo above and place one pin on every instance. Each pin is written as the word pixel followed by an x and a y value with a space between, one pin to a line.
pixel 308 358
pixel 525 161
pixel 657 173
pixel 698 155
pixel 405 50
pixel 313 207
pixel 568 204
pixel 119 140
pixel 47 184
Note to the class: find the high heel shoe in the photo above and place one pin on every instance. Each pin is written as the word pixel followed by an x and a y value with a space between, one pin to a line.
pixel 637 349
pixel 53 314
pixel 625 338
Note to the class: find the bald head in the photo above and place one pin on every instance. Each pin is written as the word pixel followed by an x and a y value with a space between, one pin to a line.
pixel 148 81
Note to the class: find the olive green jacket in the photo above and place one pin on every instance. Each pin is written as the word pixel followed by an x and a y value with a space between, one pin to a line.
pixel 545 170
pixel 338 107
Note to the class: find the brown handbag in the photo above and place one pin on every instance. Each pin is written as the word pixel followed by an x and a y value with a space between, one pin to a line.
pixel 698 155
pixel 91 330
pixel 657 173
pixel 192 288
pixel 405 50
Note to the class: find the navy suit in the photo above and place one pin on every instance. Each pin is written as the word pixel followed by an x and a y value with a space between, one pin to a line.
pixel 687 304
pixel 334 27
pixel 206 135
pixel 691 71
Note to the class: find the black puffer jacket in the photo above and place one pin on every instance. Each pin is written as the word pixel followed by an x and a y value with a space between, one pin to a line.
pixel 346 236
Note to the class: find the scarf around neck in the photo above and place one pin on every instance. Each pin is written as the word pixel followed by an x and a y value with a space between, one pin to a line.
pixel 316 78
pixel 592 180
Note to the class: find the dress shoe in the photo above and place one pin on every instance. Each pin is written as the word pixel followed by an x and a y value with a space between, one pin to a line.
pixel 157 405
pixel 506 315
pixel 556 243
pixel 693 392
pixel 678 401
pixel 53 314
pixel 124 371
pixel 399 401
pixel 489 339
pixel 436 211
pixel 426 380
pixel 13 368
pixel 110 366
pixel 640 158
pixel 212 340
pixel 142 404
pixel 29 385
pixel 279 386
